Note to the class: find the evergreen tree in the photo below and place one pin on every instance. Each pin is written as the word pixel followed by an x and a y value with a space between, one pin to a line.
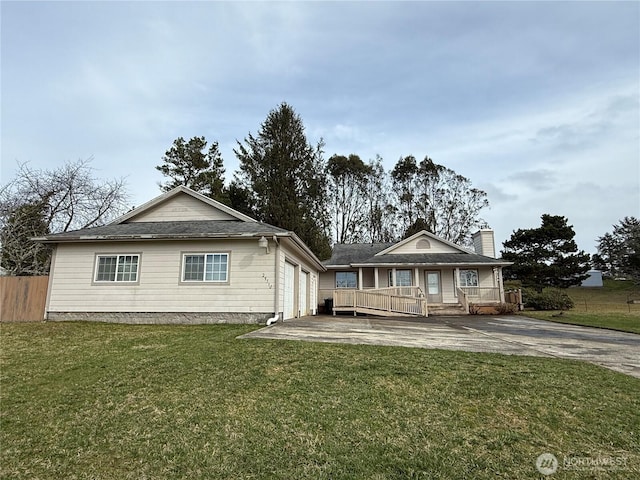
pixel 546 256
pixel 284 174
pixel 619 252
pixel 418 226
pixel 192 165
pixel 21 256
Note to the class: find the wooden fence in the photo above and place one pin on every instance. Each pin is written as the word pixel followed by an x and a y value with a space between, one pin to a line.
pixel 22 299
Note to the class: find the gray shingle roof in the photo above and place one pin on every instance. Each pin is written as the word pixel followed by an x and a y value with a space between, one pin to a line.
pixel 346 254
pixel 364 254
pixel 186 229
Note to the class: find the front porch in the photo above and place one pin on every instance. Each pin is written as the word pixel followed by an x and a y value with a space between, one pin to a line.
pixel 419 290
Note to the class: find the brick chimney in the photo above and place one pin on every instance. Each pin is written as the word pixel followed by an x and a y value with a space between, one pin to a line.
pixel 484 243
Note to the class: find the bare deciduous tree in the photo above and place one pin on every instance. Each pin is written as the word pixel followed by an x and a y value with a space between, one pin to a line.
pixel 436 197
pixel 41 201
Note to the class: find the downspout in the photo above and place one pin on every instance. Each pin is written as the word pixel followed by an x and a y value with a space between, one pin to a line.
pixel 276 300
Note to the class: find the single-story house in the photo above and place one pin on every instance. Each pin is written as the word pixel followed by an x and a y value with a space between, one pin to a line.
pixel 443 277
pixel 181 258
pixel 185 258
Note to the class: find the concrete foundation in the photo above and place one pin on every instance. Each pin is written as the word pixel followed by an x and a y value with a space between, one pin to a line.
pixel 146 318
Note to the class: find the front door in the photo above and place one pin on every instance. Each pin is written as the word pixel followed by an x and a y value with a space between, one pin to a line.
pixel 434 289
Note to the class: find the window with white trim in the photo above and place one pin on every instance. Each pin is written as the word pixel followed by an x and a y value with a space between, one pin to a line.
pixel 468 278
pixel 117 268
pixel 403 278
pixel 205 267
pixel 346 280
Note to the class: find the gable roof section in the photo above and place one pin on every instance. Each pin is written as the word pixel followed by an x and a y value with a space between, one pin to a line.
pixel 414 237
pixel 123 229
pixel 151 204
pixel 379 255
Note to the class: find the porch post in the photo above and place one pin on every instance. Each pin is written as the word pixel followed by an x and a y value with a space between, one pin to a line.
pixel 375 278
pixel 456 281
pixel 416 276
pixel 500 283
pixel 359 278
pixel 393 277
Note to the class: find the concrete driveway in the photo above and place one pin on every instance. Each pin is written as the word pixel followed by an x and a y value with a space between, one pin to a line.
pixel 512 335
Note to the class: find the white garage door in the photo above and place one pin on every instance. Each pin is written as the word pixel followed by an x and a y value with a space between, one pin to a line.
pixel 313 294
pixel 289 290
pixel 303 294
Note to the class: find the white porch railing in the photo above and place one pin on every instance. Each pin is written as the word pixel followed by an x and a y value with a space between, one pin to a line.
pixel 481 294
pixel 383 301
pixel 462 299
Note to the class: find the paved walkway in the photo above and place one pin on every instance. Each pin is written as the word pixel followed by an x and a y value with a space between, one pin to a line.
pixel 512 335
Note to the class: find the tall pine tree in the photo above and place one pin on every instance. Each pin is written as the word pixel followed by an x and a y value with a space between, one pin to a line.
pixel 192 165
pixel 619 251
pixel 546 256
pixel 285 175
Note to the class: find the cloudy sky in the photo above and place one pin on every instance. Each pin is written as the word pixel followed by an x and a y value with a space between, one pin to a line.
pixel 538 103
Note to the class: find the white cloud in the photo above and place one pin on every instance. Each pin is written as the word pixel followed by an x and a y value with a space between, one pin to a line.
pixel 522 98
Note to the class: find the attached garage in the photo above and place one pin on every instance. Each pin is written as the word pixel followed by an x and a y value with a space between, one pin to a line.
pixel 289 290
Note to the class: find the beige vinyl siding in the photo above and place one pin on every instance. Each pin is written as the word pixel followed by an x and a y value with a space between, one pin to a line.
pixel 486 277
pixel 448 289
pixel 326 285
pixel 368 280
pixel 159 288
pixel 182 207
pixel 328 279
pixel 484 243
pixel 436 247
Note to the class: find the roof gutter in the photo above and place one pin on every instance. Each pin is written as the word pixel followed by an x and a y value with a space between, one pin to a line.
pixel 429 264
pixel 128 238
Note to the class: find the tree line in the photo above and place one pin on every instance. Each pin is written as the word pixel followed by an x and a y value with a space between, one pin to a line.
pixel 284 180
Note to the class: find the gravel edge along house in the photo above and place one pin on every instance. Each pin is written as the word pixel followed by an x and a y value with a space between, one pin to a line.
pixel 185 258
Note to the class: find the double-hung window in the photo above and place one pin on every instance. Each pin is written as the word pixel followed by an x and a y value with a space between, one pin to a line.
pixel 205 267
pixel 403 278
pixel 468 278
pixel 346 280
pixel 117 268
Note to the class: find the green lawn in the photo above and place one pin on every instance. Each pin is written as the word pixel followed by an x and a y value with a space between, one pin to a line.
pixel 624 322
pixel 605 307
pixel 106 401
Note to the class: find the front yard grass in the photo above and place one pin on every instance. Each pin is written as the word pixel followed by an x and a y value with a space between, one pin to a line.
pixel 622 321
pixel 604 307
pixel 104 401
